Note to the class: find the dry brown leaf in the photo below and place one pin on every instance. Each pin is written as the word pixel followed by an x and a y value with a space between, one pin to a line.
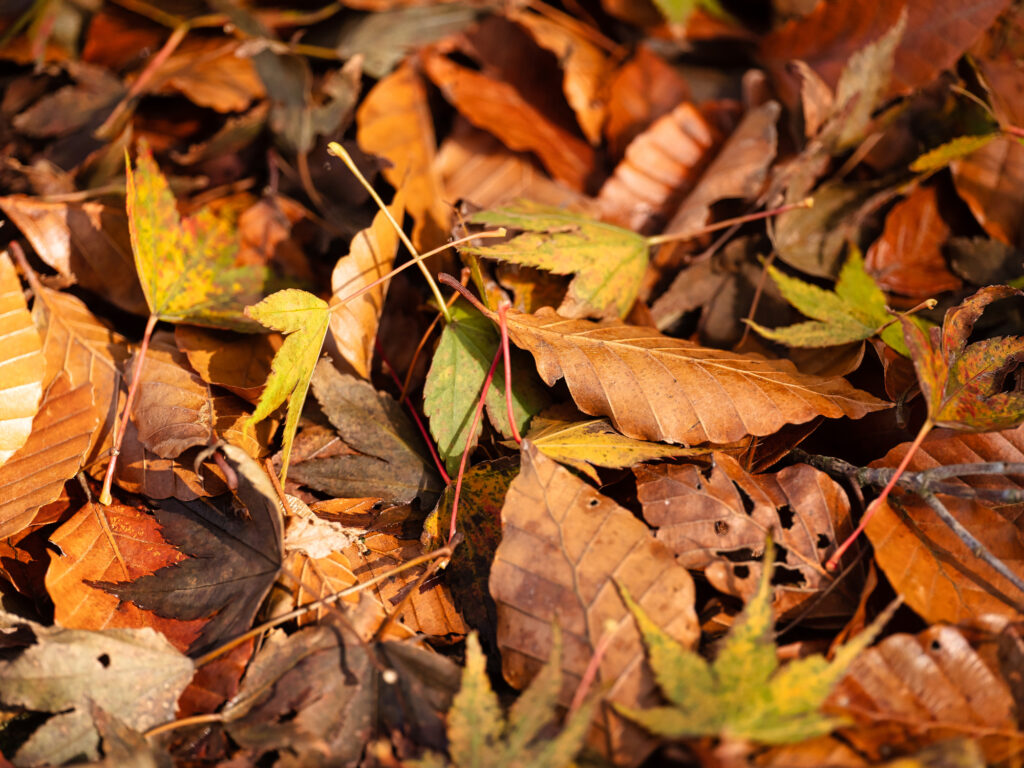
pixel 86 241
pixel 173 411
pixel 210 73
pixel 586 69
pixel 239 363
pixel 660 166
pixel 907 258
pixel 266 234
pixel 142 472
pixel 478 168
pixel 498 108
pixel 644 88
pixel 564 550
pixel 394 121
pixel 371 255
pixel 654 387
pixel 914 690
pixel 991 182
pixel 231 423
pixel 718 520
pixel 940 578
pixel 113 543
pixel 53 453
pixel 22 365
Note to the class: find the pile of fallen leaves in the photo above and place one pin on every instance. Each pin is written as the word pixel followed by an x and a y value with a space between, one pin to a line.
pixel 419 384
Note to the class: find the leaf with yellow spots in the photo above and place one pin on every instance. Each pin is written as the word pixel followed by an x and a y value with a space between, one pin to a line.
pixel 186 266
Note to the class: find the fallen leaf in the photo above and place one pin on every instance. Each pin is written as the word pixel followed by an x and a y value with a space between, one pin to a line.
pixel 210 72
pixel 388 465
pixel 609 262
pixel 371 255
pixel 394 121
pixel 717 520
pixel 954 149
pixel 677 12
pixel 22 365
pixel 908 257
pixel 232 562
pixel 654 387
pixel 743 694
pixel 990 180
pixel 303 318
pixel 240 364
pixel 563 549
pixel 73 107
pixel 134 674
pixel 498 108
pixel 143 472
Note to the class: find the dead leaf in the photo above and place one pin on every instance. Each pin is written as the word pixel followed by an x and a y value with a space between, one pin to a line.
pixel 143 472
pixel 717 521
pixel 655 387
pixel 210 72
pixel 990 181
pixel 240 364
pixel 394 122
pixel 564 548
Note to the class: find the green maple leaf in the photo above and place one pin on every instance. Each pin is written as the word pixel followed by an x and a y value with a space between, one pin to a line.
pixel 969 386
pixel 457 372
pixel 305 318
pixel 609 262
pixel 856 310
pixel 743 694
pixel 186 266
pixel 480 737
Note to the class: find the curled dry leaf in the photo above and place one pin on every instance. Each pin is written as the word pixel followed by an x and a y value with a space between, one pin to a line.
pixel 22 365
pixel 371 254
pixel 925 561
pixel 915 690
pixel 240 364
pixel 173 410
pixel 990 180
pixel 564 549
pixel 718 520
pixel 394 122
pixel 210 73
pixel 655 387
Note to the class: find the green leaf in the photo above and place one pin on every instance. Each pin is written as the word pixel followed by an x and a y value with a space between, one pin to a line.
pixel 186 267
pixel 743 694
pixel 457 372
pixel 304 318
pixel 609 262
pixel 855 311
pixel 678 11
pixel 954 149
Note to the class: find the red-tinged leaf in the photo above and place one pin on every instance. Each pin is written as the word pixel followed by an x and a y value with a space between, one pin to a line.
pixel 991 180
pixel 186 267
pixel 971 387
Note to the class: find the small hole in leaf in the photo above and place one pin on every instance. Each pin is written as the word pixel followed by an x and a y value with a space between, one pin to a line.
pixel 741 571
pixel 748 503
pixel 721 527
pixel 593 503
pixel 786 516
pixel 103 659
pixel 789 577
pixel 736 555
pixel 823 541
pixel 936 645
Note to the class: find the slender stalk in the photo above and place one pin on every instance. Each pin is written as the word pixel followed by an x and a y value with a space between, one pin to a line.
pixel 115 451
pixel 669 237
pixel 873 507
pixel 590 673
pixel 503 326
pixel 340 152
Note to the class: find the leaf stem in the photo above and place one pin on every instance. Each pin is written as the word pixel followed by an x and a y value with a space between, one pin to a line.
pixel 926 304
pixel 873 507
pixel 340 152
pixel 503 326
pixel 451 282
pixel 669 237
pixel 115 451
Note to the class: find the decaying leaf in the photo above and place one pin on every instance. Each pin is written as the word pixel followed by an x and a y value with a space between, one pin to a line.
pixel 238 363
pixel 743 694
pixel 654 387
pixel 564 546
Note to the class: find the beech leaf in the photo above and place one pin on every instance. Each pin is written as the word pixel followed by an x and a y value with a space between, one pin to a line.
pixel 186 267
pixel 609 262
pixel 974 387
pixel 304 318
pixel 655 387
pixel 743 694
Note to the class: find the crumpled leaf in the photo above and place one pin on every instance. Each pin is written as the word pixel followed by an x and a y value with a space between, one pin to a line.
pixel 479 735
pixel 609 262
pixel 388 465
pixel 134 674
pixel 655 387
pixel 856 310
pixel 457 372
pixel 304 318
pixel 974 387
pixel 186 267
pixel 743 694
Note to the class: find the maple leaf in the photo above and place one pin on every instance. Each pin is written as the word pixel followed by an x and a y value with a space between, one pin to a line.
pixel 972 387
pixel 186 266
pixel 856 310
pixel 304 318
pixel 479 735
pixel 609 261
pixel 743 694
